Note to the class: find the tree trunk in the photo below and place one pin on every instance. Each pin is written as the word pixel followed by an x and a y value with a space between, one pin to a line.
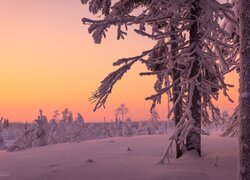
pixel 194 138
pixel 176 89
pixel 244 172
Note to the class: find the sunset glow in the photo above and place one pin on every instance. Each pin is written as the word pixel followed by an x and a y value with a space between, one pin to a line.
pixel 49 61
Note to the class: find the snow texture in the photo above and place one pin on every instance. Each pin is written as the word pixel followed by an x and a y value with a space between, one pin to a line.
pixel 109 159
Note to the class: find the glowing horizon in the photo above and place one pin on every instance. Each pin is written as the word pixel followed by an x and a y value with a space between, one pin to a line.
pixel 49 62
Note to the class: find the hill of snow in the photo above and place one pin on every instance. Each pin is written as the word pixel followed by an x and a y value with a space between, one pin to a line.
pixel 121 158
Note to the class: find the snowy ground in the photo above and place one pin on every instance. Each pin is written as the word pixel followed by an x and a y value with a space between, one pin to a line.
pixel 109 159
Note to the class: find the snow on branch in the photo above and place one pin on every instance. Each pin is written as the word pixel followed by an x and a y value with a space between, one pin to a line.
pixel 214 50
pixel 98 5
pixel 101 95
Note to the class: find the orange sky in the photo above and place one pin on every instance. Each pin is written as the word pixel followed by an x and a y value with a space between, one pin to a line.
pixel 49 61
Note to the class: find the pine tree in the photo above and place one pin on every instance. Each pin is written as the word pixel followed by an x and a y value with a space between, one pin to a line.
pixel 41 131
pixel 53 132
pixel 79 127
pixel 205 53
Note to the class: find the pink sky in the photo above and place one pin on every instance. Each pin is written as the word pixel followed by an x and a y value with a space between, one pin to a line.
pixel 49 61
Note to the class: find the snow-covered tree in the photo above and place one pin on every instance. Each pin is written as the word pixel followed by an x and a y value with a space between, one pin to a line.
pixel 121 111
pixel 78 127
pixel 41 131
pixel 65 126
pixel 128 129
pixel 53 132
pixel 70 117
pixel 154 115
pixel 55 115
pixel 244 99
pixel 65 115
pixel 6 123
pixel 25 140
pixel 62 138
pixel 153 123
pixel 34 135
pixel 206 51
pixel 2 143
pixel 79 119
